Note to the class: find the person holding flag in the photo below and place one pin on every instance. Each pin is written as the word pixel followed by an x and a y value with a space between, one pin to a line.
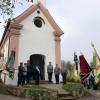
pixel 87 76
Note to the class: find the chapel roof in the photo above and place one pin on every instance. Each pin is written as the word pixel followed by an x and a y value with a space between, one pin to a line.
pixel 26 13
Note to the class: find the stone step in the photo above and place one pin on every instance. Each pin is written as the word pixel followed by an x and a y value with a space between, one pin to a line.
pixel 67 98
pixel 63 95
pixel 41 82
pixel 44 82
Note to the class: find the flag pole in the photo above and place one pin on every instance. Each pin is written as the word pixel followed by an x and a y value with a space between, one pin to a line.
pixel 95 50
pixel 95 57
pixel 76 61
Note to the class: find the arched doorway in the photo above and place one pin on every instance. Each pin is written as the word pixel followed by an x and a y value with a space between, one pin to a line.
pixel 38 59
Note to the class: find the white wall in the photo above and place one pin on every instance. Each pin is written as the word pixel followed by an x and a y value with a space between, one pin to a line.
pixel 35 40
pixel 7 80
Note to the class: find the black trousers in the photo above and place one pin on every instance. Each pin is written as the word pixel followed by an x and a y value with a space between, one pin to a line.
pixel 27 78
pixel 21 80
pixel 50 77
pixel 57 79
pixel 37 80
pixel 20 77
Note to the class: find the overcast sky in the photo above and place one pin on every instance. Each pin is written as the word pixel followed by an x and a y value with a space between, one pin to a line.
pixel 80 22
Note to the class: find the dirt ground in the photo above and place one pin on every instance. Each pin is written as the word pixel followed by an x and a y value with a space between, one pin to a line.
pixel 8 97
pixel 95 95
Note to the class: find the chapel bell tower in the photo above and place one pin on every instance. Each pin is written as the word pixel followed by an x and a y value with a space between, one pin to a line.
pixel 32 2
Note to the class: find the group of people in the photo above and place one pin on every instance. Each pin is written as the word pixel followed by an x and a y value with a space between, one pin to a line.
pixel 26 73
pixel 57 72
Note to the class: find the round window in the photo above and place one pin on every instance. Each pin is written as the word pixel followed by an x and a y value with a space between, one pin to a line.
pixel 38 22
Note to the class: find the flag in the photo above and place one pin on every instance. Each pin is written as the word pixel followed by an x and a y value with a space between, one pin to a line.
pixel 9 65
pixel 84 67
pixel 76 60
pixel 96 65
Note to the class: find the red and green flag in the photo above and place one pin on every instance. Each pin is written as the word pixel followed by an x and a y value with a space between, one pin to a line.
pixel 85 68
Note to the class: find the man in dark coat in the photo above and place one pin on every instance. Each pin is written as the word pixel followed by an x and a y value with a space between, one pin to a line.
pixel 20 74
pixel 29 71
pixel 36 73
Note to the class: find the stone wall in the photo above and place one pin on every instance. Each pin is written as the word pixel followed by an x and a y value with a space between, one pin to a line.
pixel 34 94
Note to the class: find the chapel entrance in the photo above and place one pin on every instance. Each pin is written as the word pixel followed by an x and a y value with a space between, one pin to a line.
pixel 38 59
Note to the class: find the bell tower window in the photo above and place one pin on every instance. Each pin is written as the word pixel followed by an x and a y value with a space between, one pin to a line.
pixel 38 22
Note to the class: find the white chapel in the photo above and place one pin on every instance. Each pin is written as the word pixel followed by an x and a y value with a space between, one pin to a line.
pixel 34 36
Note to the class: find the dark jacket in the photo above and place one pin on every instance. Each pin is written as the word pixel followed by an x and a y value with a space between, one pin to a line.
pixel 20 70
pixel 36 74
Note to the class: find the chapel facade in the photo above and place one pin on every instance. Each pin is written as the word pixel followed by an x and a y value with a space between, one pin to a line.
pixel 34 36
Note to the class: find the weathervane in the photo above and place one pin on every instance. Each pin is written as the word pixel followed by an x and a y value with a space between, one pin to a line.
pixel 92 44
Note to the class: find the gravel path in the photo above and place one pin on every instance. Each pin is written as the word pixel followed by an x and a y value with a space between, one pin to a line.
pixel 8 97
pixel 95 95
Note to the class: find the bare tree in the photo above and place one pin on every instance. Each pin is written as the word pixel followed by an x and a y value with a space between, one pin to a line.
pixel 6 7
pixel 63 63
pixel 70 69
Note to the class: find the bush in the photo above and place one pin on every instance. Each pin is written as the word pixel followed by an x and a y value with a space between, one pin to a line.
pixel 3 89
pixel 76 89
pixel 75 80
pixel 70 86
